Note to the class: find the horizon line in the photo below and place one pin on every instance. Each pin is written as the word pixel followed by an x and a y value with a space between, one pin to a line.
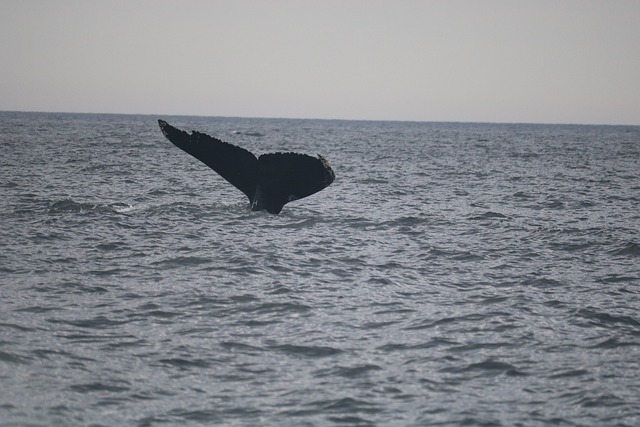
pixel 321 119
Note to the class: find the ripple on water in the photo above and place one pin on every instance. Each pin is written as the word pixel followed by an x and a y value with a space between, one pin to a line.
pixel 478 274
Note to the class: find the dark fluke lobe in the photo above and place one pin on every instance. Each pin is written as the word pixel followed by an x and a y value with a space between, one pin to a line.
pixel 269 181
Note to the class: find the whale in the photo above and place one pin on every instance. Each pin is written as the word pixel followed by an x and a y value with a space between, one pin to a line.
pixel 270 181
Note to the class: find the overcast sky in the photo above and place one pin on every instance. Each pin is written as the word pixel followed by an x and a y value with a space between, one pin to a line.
pixel 539 61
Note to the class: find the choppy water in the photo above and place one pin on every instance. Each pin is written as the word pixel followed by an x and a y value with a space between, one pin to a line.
pixel 453 274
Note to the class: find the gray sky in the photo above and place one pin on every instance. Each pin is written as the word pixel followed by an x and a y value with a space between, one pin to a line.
pixel 548 61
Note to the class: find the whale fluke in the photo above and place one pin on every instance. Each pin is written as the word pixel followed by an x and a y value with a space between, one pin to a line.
pixel 269 181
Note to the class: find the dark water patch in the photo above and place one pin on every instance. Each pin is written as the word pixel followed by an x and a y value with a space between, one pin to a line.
pixel 522 195
pixel 488 215
pixel 615 278
pixel 60 410
pixel 244 298
pixel 406 223
pixel 131 342
pixel 44 237
pixel 104 273
pixel 349 371
pixel 281 290
pixel 253 323
pixel 396 311
pixel 131 296
pixel 347 411
pixel 80 288
pixel 16 327
pixel 86 338
pixel 280 269
pixel 569 246
pixel 481 346
pixel 378 325
pixel 433 343
pixel 554 204
pixel 467 256
pixel 158 192
pixel 155 311
pixel 598 318
pixel 98 322
pixel 569 373
pixel 454 254
pixel 347 404
pixel 614 343
pixel 11 358
pixel 113 246
pixel 372 181
pixel 586 204
pixel 163 314
pixel 358 223
pixel 630 249
pixel 148 306
pixel 9 184
pixel 432 323
pixel 351 420
pixel 248 133
pixel 542 282
pixel 557 304
pixel 184 363
pixel 153 420
pixel 561 348
pixel 488 300
pixel 600 401
pixel 282 308
pixel 306 350
pixel 183 261
pixel 380 281
pixel 99 387
pixel 199 416
pixel 486 368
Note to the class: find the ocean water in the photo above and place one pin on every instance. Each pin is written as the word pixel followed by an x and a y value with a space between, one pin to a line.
pixel 453 274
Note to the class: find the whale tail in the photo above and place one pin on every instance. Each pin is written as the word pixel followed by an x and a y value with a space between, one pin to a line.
pixel 269 181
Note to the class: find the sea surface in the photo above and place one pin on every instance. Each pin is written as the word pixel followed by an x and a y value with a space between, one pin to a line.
pixel 453 274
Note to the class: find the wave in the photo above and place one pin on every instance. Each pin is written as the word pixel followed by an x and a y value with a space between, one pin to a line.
pixel 629 249
pixel 488 215
pixel 71 206
pixel 487 367
pixel 248 133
